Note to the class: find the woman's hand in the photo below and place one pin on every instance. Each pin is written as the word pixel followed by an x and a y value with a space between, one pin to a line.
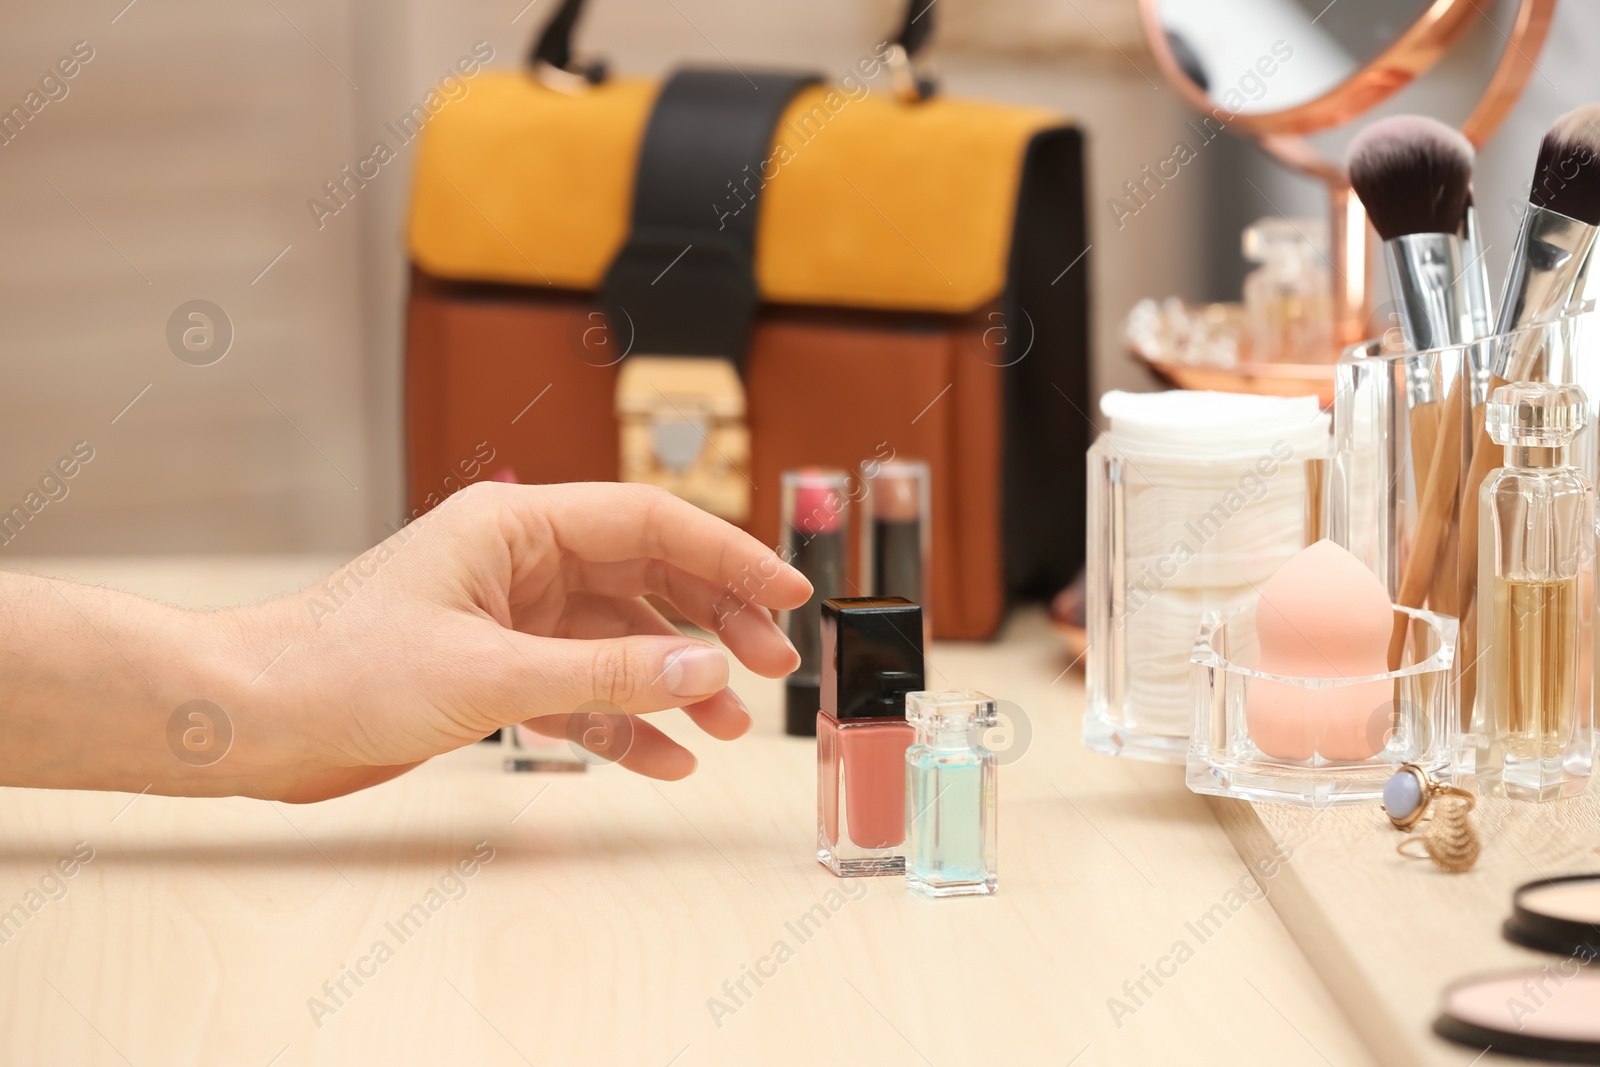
pixel 506 604
pixel 522 604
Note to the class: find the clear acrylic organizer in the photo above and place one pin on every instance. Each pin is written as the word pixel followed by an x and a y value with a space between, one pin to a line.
pixel 1345 737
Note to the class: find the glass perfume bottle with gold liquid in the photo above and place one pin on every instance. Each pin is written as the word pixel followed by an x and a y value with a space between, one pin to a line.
pixel 1533 725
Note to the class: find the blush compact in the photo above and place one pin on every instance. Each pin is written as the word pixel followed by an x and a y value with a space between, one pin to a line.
pixel 1548 1013
pixel 1559 915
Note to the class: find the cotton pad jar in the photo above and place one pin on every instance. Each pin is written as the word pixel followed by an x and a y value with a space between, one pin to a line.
pixel 1195 500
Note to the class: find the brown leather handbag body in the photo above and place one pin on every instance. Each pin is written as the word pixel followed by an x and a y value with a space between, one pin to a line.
pixel 890 273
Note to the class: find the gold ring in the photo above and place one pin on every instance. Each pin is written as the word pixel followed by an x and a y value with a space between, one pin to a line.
pixel 1450 841
pixel 1410 794
pixel 1418 853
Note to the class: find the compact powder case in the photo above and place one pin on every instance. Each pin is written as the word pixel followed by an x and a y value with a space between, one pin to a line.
pixel 1531 1012
pixel 1559 915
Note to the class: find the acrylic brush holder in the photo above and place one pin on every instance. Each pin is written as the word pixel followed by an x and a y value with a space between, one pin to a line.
pixel 1403 418
pixel 1319 741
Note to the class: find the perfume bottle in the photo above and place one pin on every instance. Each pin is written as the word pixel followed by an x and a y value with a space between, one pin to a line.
pixel 950 795
pixel 1532 724
pixel 1288 299
pixel 871 658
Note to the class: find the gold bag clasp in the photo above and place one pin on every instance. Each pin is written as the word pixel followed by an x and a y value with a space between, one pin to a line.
pixel 682 421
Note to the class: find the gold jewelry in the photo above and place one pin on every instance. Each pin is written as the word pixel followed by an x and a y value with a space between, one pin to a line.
pixel 1412 791
pixel 1450 841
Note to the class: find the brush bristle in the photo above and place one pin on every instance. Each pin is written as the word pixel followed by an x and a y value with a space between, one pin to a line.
pixel 1567 177
pixel 1413 175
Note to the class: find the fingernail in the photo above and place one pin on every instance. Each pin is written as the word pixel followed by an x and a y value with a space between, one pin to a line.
pixel 790 643
pixel 695 671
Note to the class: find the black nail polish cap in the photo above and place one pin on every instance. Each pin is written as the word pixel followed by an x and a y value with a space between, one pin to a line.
pixel 871 657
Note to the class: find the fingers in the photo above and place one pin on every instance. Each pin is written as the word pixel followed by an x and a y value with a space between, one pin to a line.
pixel 637 674
pixel 608 523
pixel 747 629
pixel 625 740
pixel 722 715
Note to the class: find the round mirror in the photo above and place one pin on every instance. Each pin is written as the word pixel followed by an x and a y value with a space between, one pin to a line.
pixel 1290 72
pixel 1277 67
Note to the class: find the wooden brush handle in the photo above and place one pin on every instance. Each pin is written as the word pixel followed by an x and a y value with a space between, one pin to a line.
pixel 1424 432
pixel 1433 518
pixel 1443 594
pixel 1485 453
pixel 1467 658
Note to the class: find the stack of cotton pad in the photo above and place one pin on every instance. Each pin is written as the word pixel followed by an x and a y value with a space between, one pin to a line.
pixel 1215 499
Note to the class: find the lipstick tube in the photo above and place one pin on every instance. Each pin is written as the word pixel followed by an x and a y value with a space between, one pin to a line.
pixel 815 537
pixel 871 658
pixel 896 534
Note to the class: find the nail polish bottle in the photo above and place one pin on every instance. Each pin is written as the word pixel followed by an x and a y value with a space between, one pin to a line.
pixel 950 795
pixel 871 658
pixel 815 535
pixel 1533 727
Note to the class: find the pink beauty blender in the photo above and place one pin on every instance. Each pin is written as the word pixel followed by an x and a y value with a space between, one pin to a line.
pixel 1322 615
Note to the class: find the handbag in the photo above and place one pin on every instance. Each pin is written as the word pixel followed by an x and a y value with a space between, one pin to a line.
pixel 710 279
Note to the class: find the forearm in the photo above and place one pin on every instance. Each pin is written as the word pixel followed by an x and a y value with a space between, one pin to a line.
pixel 91 683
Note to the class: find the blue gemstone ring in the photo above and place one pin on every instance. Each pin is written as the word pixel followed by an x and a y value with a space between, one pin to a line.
pixel 1409 795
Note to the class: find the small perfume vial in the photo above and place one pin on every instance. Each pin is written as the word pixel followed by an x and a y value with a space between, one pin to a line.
pixel 871 658
pixel 950 795
pixel 1533 728
pixel 815 540
pixel 896 533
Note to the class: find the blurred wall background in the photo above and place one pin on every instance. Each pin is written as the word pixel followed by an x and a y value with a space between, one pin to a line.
pixel 177 165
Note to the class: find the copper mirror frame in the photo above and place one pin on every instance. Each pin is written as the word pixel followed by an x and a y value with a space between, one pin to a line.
pixel 1417 50
pixel 1280 132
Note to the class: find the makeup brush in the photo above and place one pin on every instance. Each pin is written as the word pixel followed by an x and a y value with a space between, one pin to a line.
pixel 1559 227
pixel 1475 272
pixel 1414 177
pixel 1586 287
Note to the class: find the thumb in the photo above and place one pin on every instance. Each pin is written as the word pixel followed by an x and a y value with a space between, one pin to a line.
pixel 553 676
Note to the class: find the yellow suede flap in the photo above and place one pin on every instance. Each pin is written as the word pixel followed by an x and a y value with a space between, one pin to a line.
pixel 864 201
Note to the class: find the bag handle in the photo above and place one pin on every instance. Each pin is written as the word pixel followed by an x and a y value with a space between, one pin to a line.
pixel 555 66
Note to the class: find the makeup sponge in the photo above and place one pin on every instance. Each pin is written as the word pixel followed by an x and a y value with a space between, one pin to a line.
pixel 1322 615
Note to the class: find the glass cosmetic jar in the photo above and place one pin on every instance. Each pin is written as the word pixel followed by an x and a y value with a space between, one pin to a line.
pixel 1195 500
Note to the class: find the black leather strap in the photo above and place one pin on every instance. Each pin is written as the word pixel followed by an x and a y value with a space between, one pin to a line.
pixel 918 26
pixel 554 44
pixel 684 282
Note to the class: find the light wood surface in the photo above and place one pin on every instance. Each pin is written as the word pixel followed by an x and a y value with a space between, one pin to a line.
pixel 1387 933
pixel 614 908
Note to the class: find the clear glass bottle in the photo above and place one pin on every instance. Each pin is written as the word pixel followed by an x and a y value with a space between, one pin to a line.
pixel 950 795
pixel 1288 300
pixel 871 658
pixel 1533 727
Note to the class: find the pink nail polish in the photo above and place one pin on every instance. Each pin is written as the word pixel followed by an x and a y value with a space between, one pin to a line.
pixel 871 658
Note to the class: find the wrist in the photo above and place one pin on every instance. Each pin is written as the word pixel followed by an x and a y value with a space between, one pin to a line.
pixel 106 690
